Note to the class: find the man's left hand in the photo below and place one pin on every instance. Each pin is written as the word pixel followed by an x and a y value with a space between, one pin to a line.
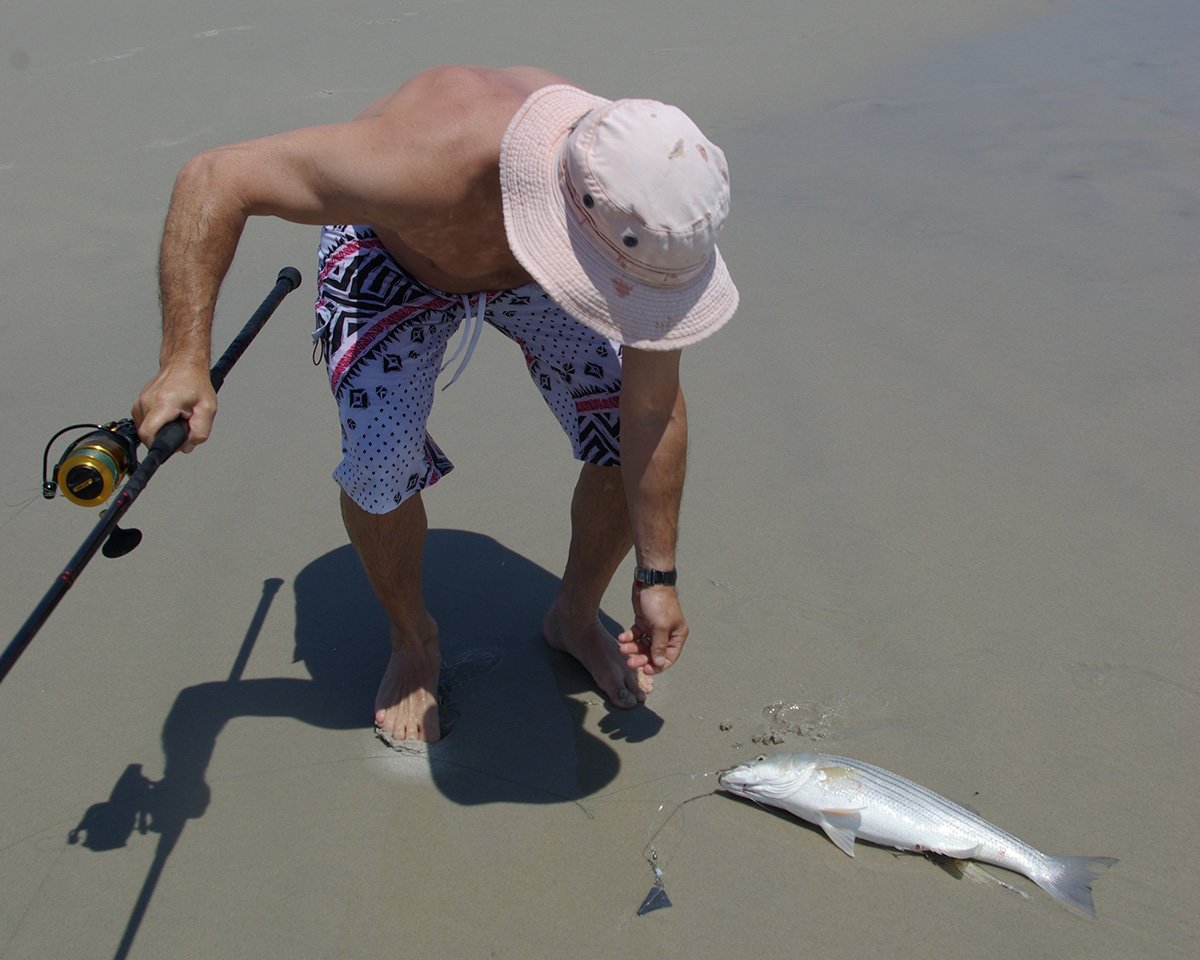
pixel 655 639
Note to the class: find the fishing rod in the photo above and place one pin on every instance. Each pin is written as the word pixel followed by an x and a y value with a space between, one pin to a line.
pixel 94 464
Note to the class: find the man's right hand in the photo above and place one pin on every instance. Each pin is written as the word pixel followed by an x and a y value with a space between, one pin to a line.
pixel 179 390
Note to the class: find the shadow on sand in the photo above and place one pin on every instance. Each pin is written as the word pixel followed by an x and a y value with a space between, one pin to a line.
pixel 488 602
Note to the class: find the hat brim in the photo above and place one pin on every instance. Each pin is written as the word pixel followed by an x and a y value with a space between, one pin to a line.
pixel 549 241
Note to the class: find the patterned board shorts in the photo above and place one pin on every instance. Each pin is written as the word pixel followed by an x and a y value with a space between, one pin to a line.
pixel 383 334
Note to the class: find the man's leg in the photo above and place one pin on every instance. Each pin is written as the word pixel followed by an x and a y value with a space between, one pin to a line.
pixel 578 373
pixel 600 539
pixel 390 546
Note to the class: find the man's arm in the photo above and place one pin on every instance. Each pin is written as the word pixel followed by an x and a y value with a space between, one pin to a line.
pixel 302 176
pixel 204 223
pixel 653 465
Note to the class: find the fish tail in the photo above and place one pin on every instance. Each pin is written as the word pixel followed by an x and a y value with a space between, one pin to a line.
pixel 1069 880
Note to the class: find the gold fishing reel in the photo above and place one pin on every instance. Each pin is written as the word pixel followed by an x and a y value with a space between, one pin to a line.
pixel 93 466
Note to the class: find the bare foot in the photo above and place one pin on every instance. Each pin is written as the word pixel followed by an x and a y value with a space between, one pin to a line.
pixel 597 650
pixel 406 705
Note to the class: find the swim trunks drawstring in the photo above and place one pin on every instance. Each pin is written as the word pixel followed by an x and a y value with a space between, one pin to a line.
pixel 470 336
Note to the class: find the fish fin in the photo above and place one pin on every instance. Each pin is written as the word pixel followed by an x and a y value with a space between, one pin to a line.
pixel 970 870
pixel 965 853
pixel 1069 881
pixel 839 826
pixel 956 868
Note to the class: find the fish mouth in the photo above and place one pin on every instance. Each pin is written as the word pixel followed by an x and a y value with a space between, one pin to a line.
pixel 728 780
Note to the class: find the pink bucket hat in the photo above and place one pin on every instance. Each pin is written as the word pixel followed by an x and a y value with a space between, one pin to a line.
pixel 614 207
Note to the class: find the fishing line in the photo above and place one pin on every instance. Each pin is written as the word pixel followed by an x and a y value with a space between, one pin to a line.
pixel 674 805
pixel 650 852
pixel 656 898
pixel 18 508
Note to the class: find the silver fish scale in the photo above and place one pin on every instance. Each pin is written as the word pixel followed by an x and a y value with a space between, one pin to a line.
pixel 897 800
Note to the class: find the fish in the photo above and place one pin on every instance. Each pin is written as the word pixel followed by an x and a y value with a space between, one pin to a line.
pixel 850 800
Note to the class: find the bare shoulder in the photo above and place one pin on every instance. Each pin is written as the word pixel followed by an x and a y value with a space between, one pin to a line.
pixel 461 100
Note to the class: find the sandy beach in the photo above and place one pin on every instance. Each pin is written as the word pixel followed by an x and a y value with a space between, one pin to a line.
pixel 941 514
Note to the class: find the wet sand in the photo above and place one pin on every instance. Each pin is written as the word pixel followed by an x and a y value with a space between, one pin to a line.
pixel 942 505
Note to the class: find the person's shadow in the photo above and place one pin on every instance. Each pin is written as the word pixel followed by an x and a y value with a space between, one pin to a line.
pixel 509 703
pixel 514 707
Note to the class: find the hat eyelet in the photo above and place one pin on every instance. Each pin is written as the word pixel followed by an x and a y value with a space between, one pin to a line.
pixel 588 201
pixel 629 240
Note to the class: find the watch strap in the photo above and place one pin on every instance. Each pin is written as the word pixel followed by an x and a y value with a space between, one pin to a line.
pixel 649 577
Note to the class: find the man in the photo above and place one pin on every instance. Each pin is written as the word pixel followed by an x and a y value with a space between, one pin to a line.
pixel 583 228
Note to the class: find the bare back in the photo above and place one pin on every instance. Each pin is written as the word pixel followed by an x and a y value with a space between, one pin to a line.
pixel 450 121
pixel 421 166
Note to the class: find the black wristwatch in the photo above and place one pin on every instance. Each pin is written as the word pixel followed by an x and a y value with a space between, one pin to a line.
pixel 649 577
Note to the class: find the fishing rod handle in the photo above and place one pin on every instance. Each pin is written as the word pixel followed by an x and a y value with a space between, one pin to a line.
pixel 287 281
pixel 171 437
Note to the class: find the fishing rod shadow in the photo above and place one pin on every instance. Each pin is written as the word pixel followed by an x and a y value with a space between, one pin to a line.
pixel 164 806
pixel 193 725
pixel 199 714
